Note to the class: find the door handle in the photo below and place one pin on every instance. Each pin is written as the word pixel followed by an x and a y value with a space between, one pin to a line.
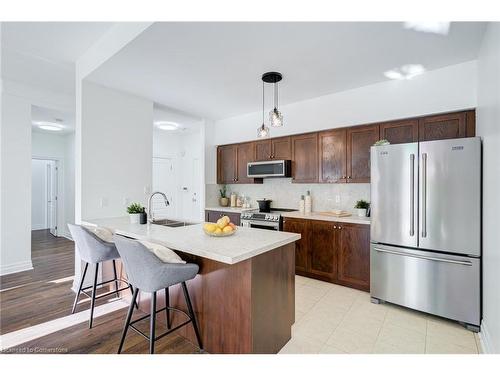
pixel 424 195
pixel 412 195
pixel 463 263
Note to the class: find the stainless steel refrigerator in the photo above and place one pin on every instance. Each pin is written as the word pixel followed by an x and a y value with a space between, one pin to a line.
pixel 426 227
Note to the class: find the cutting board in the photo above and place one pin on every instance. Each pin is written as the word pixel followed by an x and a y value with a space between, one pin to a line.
pixel 329 213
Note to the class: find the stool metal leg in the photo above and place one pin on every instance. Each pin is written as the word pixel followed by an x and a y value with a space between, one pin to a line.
pixel 152 323
pixel 127 321
pixel 191 314
pixel 92 301
pixel 116 279
pixel 167 305
pixel 132 292
pixel 80 288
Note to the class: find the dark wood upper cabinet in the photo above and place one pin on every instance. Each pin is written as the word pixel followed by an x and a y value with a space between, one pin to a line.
pixel 332 156
pixel 359 141
pixel 446 126
pixel 226 164
pixel 353 256
pixel 403 131
pixel 281 148
pixel 245 153
pixel 302 245
pixel 275 148
pixel 305 157
pixel 322 250
pixel 263 150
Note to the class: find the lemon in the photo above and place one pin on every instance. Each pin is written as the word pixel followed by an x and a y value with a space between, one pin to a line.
pixel 218 231
pixel 221 223
pixel 210 227
pixel 227 229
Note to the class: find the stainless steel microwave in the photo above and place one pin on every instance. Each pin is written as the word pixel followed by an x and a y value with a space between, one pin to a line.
pixel 271 168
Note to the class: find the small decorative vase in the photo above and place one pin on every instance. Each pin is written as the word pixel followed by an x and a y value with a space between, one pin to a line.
pixel 224 202
pixel 143 218
pixel 134 218
pixel 361 211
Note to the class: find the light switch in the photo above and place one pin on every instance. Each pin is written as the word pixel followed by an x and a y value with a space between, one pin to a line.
pixel 147 189
pixel 104 202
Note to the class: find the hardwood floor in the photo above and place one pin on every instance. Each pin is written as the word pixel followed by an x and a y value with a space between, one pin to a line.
pixel 31 299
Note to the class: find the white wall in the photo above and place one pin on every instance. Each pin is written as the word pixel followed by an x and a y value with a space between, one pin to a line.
pixel 60 147
pixel 488 127
pixel 39 194
pixel 186 152
pixel 446 89
pixel 116 151
pixel 15 160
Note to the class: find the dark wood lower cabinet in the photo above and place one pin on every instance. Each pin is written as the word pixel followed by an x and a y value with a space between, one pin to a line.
pixel 322 249
pixel 332 251
pixel 213 216
pixel 353 256
pixel 301 246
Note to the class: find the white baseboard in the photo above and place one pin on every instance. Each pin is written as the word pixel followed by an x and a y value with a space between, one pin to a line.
pixel 485 340
pixel 6 269
pixel 38 226
pixel 66 234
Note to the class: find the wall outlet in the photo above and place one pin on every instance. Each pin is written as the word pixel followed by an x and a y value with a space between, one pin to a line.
pixel 147 189
pixel 337 198
pixel 126 201
pixel 104 202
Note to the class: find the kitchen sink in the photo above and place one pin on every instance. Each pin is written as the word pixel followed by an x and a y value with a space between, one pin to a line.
pixel 172 223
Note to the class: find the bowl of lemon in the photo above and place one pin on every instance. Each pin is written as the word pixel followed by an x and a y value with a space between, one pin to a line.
pixel 222 228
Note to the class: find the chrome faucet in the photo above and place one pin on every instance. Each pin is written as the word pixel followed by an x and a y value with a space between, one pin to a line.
pixel 167 203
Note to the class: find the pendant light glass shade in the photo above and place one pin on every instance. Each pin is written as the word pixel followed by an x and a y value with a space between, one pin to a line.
pixel 276 118
pixel 263 131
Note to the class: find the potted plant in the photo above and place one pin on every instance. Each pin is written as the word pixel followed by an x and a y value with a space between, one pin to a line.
pixel 361 207
pixel 223 200
pixel 134 212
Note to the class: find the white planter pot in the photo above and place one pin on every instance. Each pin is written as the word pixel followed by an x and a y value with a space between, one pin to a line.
pixel 361 211
pixel 134 218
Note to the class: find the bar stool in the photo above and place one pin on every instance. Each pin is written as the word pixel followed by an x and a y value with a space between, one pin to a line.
pixel 149 274
pixel 93 249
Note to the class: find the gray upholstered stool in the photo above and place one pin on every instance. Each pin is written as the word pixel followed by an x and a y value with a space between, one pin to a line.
pixel 149 274
pixel 94 250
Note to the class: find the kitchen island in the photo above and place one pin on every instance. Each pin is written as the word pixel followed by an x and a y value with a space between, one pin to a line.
pixel 244 294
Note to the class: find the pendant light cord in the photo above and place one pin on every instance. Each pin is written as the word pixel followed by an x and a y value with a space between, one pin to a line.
pixel 263 104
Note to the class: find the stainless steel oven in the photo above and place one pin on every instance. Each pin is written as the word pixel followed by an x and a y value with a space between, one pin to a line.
pixel 264 220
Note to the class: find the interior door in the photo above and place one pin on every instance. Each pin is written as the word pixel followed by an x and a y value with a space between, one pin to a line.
pixel 52 178
pixel 394 171
pixel 164 180
pixel 450 195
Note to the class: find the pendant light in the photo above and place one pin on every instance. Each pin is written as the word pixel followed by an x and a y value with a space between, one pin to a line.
pixel 275 116
pixel 263 130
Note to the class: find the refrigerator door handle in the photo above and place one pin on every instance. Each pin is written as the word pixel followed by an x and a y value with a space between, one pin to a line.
pixel 424 195
pixel 412 195
pixel 464 263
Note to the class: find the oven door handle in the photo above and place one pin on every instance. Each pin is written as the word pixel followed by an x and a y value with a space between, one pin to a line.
pixel 261 223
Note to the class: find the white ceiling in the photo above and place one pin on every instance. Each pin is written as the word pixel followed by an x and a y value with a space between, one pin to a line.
pixel 43 54
pixel 187 123
pixel 213 70
pixel 66 119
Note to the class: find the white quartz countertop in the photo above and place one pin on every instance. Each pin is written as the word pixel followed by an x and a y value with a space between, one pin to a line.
pixel 244 244
pixel 317 216
pixel 237 210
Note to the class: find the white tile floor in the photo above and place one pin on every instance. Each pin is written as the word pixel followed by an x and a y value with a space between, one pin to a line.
pixel 334 319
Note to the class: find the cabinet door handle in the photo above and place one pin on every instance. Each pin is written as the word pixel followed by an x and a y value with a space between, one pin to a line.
pixel 334 227
pixel 340 227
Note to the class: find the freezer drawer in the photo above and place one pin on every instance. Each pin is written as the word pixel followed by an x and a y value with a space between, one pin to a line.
pixel 444 285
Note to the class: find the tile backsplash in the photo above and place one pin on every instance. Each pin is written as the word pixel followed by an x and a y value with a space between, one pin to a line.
pixel 285 194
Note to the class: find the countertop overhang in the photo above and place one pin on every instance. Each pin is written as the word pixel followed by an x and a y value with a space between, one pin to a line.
pixel 244 244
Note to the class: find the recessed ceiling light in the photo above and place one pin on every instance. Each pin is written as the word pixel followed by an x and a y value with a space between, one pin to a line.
pixel 166 125
pixel 441 28
pixel 407 71
pixel 47 125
